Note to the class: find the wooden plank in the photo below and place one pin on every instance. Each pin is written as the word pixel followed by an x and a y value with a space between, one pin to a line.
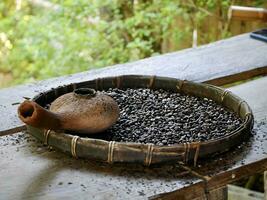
pixel 255 93
pixel 247 13
pixel 30 170
pixel 218 63
pixel 265 185
pixel 250 157
pixel 218 194
pixel 239 193
pixel 243 161
pixel 194 192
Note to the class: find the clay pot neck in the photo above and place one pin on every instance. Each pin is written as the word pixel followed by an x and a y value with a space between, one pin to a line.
pixel 84 93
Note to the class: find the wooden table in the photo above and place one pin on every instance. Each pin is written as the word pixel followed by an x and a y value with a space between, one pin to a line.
pixel 29 170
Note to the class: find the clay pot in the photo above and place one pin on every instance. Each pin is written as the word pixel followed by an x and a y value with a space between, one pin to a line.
pixel 83 111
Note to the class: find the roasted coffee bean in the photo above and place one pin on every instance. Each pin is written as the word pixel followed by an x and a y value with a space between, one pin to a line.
pixel 164 118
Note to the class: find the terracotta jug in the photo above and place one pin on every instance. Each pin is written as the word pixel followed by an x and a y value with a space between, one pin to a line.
pixel 83 111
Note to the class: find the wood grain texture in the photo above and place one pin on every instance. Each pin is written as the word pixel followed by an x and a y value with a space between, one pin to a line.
pixel 218 194
pixel 243 161
pixel 249 158
pixel 218 63
pixel 30 170
pixel 239 193
pixel 255 94
pixel 194 192
pixel 265 185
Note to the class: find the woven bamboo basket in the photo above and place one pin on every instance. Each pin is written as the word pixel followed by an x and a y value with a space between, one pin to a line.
pixel 111 151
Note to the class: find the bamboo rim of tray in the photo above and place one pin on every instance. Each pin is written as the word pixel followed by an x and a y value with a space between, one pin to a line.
pixel 112 151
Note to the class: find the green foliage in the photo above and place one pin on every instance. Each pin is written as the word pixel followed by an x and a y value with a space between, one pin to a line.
pixel 38 42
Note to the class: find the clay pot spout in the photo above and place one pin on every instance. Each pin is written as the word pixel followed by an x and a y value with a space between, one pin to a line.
pixel 82 111
pixel 34 115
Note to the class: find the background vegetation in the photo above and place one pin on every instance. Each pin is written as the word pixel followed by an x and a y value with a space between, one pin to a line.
pixel 41 39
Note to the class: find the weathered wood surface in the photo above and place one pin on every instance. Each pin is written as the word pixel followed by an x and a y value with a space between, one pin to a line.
pixel 255 94
pixel 243 161
pixel 31 171
pixel 239 193
pixel 265 185
pixel 28 170
pixel 251 157
pixel 218 63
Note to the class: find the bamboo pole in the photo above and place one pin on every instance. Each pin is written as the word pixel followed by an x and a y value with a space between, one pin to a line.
pixel 247 13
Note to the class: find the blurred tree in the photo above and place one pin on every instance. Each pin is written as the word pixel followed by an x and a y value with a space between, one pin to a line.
pixel 41 38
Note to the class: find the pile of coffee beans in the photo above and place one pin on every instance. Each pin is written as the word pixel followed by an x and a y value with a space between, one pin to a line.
pixel 165 118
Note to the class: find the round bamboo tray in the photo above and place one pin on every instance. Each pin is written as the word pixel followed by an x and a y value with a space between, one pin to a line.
pixel 111 151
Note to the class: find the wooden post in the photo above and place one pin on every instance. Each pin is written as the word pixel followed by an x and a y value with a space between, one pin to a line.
pixel 265 185
pixel 247 13
pixel 218 194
